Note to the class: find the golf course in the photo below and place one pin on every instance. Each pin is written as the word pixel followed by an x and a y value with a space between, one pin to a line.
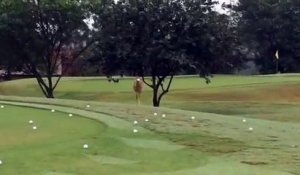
pixel 235 125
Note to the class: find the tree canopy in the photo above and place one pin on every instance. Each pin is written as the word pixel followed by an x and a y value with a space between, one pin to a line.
pixel 163 38
pixel 268 26
pixel 44 33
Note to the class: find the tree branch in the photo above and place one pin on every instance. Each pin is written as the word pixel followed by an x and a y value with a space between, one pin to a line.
pixel 166 90
pixel 79 53
pixel 148 84
pixel 57 81
pixel 38 77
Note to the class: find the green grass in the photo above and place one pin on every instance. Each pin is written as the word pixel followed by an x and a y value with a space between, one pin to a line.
pixel 177 145
pixel 72 86
pixel 216 142
pixel 266 97
pixel 57 146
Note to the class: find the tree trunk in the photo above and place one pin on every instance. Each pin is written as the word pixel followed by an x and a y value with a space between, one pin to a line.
pixel 157 83
pixel 8 73
pixel 50 93
pixel 155 86
pixel 155 100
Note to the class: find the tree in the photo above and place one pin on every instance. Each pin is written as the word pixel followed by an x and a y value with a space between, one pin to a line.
pixel 45 33
pixel 159 39
pixel 9 56
pixel 269 26
pixel 8 52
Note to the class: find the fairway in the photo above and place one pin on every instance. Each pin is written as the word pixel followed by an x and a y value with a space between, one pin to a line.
pixel 174 145
pixel 215 133
pixel 266 97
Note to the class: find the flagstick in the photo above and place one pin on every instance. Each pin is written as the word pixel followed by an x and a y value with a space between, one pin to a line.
pixel 277 61
pixel 277 66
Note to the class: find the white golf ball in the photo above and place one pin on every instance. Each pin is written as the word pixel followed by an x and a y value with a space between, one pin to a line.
pixel 250 129
pixel 155 114
pixel 146 120
pixel 244 120
pixel 70 115
pixel 1 162
pixel 193 118
pixel 2 106
pixel 138 79
pixel 34 128
pixel 85 146
pixel 30 122
pixel 135 131
pixel 135 122
pixel 88 106
pixel 52 110
pixel 163 116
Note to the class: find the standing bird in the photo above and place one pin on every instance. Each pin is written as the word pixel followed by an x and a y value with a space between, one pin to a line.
pixel 138 86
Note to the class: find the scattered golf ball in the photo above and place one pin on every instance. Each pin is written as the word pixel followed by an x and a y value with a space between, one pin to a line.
pixel 34 127
pixel 85 146
pixel 135 122
pixel 155 114
pixel 135 131
pixel 146 120
pixel 193 118
pixel 70 115
pixel 88 106
pixel 30 122
pixel 1 162
pixel 244 120
pixel 163 116
pixel 52 110
pixel 250 129
pixel 2 106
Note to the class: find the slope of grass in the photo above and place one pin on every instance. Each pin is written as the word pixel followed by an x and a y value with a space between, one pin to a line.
pixel 94 88
pixel 269 97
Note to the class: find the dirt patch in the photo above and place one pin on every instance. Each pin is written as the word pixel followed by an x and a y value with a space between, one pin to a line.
pixel 207 143
pixel 254 162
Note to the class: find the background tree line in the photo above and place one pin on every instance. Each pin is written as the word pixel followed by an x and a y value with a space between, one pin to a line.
pixel 153 38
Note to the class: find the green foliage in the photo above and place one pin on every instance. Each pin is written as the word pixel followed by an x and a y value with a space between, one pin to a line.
pixel 270 25
pixel 42 35
pixel 164 38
